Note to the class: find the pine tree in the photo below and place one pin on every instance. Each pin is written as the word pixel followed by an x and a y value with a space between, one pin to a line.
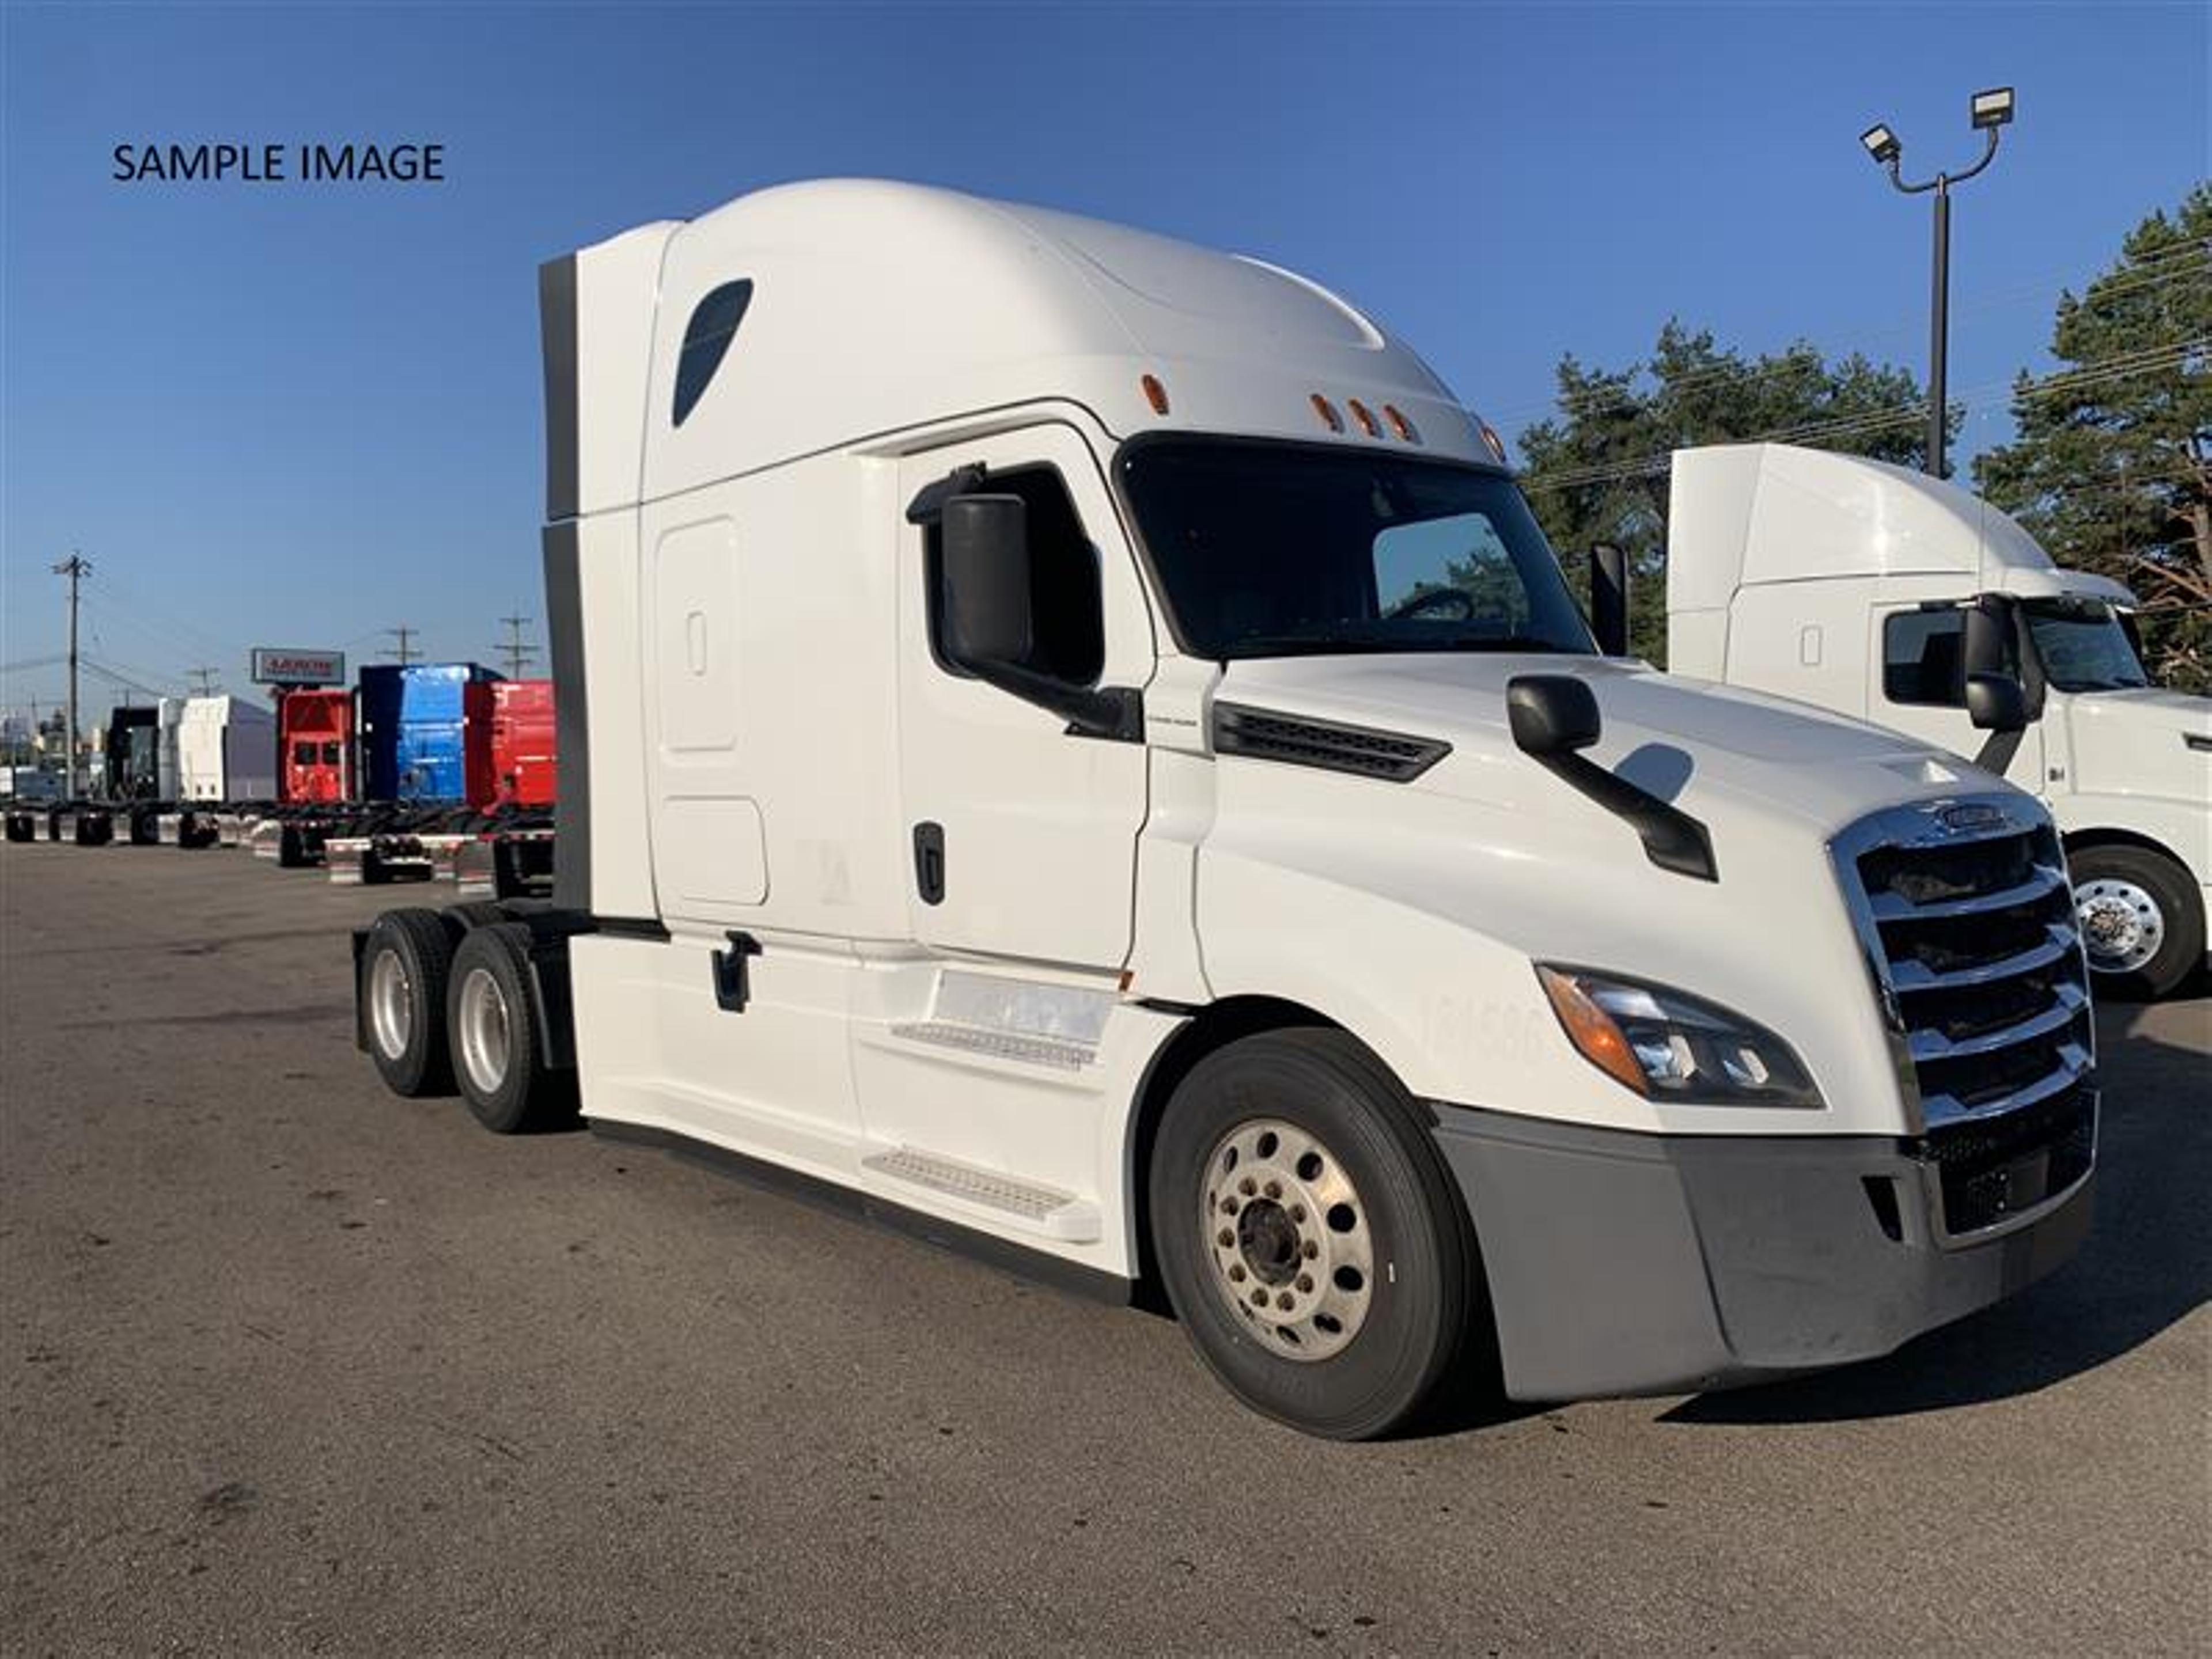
pixel 2112 468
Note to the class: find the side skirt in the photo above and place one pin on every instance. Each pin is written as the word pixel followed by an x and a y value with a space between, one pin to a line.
pixel 853 1205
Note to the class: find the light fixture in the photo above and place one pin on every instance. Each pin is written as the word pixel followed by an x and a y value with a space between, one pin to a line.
pixel 1881 143
pixel 1992 108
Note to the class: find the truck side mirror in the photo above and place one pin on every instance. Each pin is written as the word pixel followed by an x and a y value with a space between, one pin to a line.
pixel 1551 715
pixel 1987 633
pixel 1995 702
pixel 1608 575
pixel 986 593
pixel 1554 716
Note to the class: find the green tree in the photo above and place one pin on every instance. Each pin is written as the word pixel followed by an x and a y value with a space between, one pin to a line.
pixel 1597 471
pixel 2112 468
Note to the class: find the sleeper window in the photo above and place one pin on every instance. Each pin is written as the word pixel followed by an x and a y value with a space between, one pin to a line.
pixel 707 336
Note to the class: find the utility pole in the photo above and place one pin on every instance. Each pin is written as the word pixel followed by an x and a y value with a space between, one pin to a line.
pixel 203 681
pixel 76 567
pixel 517 652
pixel 403 653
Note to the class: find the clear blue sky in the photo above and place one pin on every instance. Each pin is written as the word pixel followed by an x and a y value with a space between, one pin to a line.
pixel 296 415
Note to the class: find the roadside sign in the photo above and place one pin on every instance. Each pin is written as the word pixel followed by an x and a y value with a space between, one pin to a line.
pixel 273 666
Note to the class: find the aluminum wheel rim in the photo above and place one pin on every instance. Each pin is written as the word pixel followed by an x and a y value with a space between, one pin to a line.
pixel 2121 924
pixel 390 1004
pixel 484 1039
pixel 1287 1240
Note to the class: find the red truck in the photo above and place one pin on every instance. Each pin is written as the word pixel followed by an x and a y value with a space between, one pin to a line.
pixel 522 743
pixel 315 737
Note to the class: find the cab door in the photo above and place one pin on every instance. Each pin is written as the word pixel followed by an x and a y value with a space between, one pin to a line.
pixel 1920 686
pixel 1022 837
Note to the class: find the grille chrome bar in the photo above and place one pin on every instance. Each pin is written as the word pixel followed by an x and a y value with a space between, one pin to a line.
pixel 2073 1066
pixel 2068 1001
pixel 1909 975
pixel 1895 907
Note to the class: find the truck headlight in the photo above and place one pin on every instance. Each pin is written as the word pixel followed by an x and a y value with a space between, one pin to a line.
pixel 1669 1045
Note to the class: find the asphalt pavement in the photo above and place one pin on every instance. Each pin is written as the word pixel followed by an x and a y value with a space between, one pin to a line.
pixel 288 1364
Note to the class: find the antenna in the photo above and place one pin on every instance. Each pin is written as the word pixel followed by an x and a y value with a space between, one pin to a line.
pixel 515 648
pixel 403 653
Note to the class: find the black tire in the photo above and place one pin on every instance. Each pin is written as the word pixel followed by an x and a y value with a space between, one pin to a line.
pixel 410 1052
pixel 509 1088
pixel 2162 895
pixel 1426 1310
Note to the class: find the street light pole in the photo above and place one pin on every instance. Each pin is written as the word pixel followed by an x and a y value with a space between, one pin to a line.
pixel 1990 110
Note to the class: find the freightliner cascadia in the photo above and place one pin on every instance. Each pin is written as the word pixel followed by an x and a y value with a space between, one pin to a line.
pixel 1074 744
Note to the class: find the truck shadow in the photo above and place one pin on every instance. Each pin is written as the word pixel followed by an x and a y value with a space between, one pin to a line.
pixel 2147 1264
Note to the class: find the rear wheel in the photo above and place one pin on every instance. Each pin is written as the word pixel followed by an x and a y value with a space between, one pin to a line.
pixel 2141 920
pixel 1309 1238
pixel 405 966
pixel 493 1031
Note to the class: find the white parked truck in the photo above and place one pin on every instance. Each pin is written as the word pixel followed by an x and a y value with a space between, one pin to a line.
pixel 1871 590
pixel 1074 744
pixel 225 751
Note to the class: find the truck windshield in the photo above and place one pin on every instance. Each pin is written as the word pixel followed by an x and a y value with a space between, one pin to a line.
pixel 1272 550
pixel 2083 645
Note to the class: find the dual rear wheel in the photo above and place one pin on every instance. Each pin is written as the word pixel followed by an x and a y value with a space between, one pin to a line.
pixel 446 1004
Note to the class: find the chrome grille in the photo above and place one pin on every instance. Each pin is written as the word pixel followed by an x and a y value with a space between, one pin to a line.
pixel 1968 922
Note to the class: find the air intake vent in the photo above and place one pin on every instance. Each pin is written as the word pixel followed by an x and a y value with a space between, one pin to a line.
pixel 1390 756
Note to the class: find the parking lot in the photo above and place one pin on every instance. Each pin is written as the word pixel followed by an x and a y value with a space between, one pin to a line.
pixel 291 1364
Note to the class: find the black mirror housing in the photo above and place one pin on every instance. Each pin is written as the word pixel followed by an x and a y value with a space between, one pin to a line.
pixel 1551 714
pixel 1995 702
pixel 986 579
pixel 1988 629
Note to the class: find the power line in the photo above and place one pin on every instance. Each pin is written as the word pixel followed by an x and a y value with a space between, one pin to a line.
pixel 514 648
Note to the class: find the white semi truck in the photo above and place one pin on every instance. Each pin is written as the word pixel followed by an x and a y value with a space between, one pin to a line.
pixel 1073 744
pixel 1871 590
pixel 226 749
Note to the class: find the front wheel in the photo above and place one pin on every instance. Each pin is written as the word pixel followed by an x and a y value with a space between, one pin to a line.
pixel 1310 1237
pixel 2141 920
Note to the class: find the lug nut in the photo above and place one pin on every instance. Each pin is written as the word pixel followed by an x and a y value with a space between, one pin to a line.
pixel 1309 1249
pixel 1236 1274
pixel 1246 1186
pixel 1275 1189
pixel 1285 1302
pixel 1229 1206
pixel 1297 1212
pixel 1225 1238
pixel 1258 1299
pixel 1305 1283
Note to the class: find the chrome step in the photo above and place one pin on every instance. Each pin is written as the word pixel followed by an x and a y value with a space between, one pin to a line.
pixel 1048 1210
pixel 1016 1046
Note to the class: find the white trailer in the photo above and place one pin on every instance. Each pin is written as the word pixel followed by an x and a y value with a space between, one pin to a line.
pixel 168 714
pixel 225 751
pixel 1074 744
pixel 1869 589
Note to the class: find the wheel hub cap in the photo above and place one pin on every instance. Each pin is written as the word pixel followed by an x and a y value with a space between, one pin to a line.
pixel 390 1004
pixel 484 1037
pixel 2122 927
pixel 1286 1234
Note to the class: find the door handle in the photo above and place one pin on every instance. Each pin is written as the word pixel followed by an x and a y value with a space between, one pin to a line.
pixel 732 983
pixel 929 861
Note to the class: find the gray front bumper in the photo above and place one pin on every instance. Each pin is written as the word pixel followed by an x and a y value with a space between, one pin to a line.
pixel 1622 1263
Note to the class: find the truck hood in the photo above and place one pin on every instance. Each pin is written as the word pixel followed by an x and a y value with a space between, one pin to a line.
pixel 1717 752
pixel 2141 742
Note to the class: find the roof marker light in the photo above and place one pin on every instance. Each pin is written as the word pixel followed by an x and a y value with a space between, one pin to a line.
pixel 1327 410
pixel 1359 413
pixel 1404 427
pixel 1497 445
pixel 1155 393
